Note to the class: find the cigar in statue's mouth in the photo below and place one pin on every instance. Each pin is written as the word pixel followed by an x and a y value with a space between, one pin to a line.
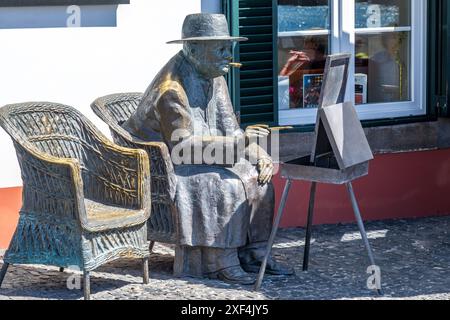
pixel 235 65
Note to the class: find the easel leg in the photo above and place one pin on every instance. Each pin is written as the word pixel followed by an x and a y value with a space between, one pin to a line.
pixel 312 197
pixel 361 227
pixel 273 234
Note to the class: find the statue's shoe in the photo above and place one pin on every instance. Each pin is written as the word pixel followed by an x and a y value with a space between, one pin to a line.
pixel 234 275
pixel 273 268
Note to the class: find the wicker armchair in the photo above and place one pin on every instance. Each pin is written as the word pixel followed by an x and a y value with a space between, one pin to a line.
pixel 114 110
pixel 85 200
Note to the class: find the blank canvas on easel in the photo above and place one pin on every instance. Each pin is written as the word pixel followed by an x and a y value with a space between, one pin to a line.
pixel 339 132
pixel 345 134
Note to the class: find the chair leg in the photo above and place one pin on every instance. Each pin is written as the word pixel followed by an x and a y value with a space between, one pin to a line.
pixel 3 272
pixel 145 270
pixel 150 247
pixel 361 227
pixel 86 285
pixel 312 197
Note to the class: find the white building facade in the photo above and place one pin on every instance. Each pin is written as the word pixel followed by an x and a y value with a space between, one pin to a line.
pixel 41 59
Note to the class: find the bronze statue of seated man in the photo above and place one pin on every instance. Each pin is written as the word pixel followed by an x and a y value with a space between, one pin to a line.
pixel 225 211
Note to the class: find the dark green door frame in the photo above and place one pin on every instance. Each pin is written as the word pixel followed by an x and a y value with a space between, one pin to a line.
pixel 438 58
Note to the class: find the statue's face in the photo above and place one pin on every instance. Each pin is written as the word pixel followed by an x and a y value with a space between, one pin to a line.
pixel 210 58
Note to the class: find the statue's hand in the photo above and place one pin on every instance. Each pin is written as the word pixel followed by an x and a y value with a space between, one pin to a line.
pixel 253 133
pixel 265 169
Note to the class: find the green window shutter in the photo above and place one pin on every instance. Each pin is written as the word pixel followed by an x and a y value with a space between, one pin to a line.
pixel 439 60
pixel 253 87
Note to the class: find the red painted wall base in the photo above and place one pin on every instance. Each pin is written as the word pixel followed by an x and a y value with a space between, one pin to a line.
pixel 407 185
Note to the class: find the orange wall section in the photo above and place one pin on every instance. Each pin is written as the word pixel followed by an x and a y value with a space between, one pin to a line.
pixel 10 203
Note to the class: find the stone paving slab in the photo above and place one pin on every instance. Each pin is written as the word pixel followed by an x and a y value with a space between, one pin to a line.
pixel 414 257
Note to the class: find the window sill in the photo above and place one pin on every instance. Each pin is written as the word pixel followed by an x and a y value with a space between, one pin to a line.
pixel 390 136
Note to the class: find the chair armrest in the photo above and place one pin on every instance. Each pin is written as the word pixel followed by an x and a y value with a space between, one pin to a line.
pixel 118 176
pixel 161 164
pixel 57 180
pixel 158 152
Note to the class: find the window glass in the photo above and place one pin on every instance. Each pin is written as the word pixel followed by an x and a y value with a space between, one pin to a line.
pixel 386 39
pixel 298 15
pixel 382 13
pixel 303 44
pixel 383 51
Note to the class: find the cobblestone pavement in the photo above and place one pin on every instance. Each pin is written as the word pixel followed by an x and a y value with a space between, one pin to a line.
pixel 414 257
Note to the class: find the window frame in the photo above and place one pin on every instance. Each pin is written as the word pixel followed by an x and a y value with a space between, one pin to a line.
pixel 343 23
pixel 436 23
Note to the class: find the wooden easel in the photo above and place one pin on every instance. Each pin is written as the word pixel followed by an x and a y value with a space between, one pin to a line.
pixel 340 155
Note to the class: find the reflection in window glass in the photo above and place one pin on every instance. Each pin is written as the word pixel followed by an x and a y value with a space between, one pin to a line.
pixel 303 44
pixel 300 15
pixel 300 80
pixel 382 13
pixel 382 67
pixel 382 56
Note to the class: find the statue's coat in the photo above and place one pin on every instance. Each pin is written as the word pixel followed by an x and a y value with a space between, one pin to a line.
pixel 217 204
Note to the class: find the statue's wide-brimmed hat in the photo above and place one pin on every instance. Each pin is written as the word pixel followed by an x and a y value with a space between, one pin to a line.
pixel 206 27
